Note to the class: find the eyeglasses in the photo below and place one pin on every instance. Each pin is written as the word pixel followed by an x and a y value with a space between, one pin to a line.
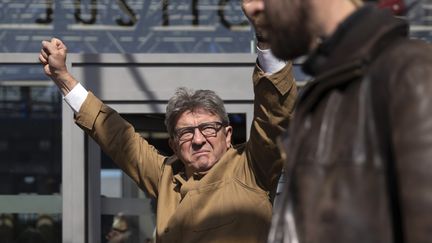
pixel 207 129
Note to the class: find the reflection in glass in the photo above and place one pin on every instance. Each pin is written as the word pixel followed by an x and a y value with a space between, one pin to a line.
pixel 36 228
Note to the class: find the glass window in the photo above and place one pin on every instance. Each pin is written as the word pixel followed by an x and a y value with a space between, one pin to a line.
pixel 30 151
pixel 419 13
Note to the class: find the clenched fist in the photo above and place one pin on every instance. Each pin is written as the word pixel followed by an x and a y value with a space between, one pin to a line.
pixel 53 59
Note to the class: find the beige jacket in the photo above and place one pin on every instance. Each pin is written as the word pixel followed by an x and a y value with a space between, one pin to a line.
pixel 232 202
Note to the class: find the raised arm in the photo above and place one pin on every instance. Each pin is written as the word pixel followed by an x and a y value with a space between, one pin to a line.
pixel 273 108
pixel 115 136
pixel 275 92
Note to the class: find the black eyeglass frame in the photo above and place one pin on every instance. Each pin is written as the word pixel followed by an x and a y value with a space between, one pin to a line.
pixel 216 126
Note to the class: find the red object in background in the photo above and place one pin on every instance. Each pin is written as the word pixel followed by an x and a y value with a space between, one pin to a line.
pixel 398 7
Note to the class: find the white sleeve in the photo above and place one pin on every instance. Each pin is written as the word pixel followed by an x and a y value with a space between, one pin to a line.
pixel 76 97
pixel 268 62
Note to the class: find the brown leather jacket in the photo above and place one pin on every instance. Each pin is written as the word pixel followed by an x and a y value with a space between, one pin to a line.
pixel 359 150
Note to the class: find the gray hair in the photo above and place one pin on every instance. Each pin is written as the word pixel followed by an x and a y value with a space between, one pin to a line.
pixel 185 99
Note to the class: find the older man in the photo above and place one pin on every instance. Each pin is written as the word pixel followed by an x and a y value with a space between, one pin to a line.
pixel 360 161
pixel 209 190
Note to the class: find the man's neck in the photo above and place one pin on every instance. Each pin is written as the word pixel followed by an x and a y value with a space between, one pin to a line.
pixel 195 174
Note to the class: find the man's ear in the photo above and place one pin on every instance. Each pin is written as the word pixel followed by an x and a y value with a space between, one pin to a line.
pixel 228 134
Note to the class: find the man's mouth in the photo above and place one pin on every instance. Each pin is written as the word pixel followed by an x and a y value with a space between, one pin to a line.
pixel 201 152
pixel 262 27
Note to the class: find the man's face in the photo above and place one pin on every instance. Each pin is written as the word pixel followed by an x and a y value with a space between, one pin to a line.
pixel 254 11
pixel 200 150
pixel 291 29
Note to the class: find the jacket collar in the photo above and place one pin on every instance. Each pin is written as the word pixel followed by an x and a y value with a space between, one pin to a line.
pixel 207 177
pixel 363 33
pixel 342 58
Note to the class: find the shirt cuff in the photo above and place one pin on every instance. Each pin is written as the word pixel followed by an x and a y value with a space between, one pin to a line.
pixel 268 62
pixel 76 97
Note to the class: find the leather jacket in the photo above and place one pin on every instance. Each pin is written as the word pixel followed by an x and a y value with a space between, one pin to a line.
pixel 359 150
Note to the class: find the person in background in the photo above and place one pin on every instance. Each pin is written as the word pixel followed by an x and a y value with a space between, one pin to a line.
pixel 210 190
pixel 123 230
pixel 359 149
pixel 46 225
pixel 7 228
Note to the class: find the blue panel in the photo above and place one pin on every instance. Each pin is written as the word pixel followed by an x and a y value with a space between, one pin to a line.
pixel 126 26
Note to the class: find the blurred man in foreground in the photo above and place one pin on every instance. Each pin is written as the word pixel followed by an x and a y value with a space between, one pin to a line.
pixel 359 149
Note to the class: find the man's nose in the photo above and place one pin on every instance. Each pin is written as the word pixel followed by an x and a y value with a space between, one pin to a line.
pixel 198 137
pixel 257 5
